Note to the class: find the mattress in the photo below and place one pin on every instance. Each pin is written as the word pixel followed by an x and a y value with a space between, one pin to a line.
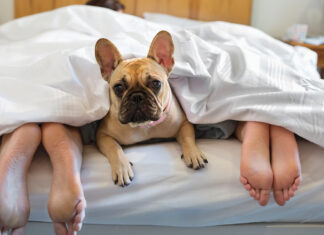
pixel 165 192
pixel 41 228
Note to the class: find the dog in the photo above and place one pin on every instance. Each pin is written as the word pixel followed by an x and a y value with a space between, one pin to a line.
pixel 142 106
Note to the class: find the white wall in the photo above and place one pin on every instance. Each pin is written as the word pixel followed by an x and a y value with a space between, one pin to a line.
pixel 274 16
pixel 271 16
pixel 6 10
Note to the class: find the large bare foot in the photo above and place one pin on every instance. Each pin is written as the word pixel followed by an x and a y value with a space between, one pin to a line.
pixel 66 204
pixel 285 164
pixel 256 173
pixel 17 151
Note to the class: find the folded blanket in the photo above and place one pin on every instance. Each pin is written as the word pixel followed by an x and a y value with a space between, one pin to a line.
pixel 223 71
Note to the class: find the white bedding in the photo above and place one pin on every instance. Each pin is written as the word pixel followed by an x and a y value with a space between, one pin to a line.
pixel 222 71
pixel 166 192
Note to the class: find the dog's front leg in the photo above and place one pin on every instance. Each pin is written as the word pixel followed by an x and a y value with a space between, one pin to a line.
pixel 122 173
pixel 191 154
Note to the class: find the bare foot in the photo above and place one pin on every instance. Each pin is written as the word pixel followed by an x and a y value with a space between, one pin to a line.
pixel 17 151
pixel 66 204
pixel 285 164
pixel 256 172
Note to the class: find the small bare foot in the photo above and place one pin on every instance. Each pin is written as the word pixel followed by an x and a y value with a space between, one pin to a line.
pixel 66 204
pixel 256 172
pixel 285 164
pixel 17 151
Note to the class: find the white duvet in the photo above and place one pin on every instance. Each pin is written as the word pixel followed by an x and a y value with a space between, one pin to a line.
pixel 223 71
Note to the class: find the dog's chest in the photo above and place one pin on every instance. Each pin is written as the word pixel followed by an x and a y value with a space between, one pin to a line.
pixel 128 135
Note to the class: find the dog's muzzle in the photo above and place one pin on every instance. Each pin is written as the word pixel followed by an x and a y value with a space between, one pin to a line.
pixel 138 107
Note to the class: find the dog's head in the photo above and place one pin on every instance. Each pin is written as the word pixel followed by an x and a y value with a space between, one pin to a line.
pixel 139 89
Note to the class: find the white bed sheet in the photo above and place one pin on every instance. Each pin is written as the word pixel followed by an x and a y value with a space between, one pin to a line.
pixel 166 192
pixel 41 228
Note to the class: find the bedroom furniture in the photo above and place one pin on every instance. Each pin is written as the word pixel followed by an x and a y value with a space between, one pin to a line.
pixel 236 11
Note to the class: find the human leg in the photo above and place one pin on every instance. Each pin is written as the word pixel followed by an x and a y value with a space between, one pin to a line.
pixel 285 164
pixel 66 204
pixel 256 172
pixel 16 153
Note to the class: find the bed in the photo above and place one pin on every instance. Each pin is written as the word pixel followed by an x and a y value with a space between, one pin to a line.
pixel 177 200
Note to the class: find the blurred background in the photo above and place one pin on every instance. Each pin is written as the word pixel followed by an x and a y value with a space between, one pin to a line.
pixel 273 16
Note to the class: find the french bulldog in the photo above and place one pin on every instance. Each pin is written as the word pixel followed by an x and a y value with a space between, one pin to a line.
pixel 142 106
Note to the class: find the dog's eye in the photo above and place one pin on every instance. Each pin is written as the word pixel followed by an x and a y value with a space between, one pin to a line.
pixel 156 84
pixel 119 89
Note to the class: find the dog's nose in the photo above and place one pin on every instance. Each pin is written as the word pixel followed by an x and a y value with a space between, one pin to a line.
pixel 137 97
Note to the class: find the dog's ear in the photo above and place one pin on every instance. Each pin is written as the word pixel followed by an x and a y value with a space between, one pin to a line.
pixel 107 56
pixel 161 50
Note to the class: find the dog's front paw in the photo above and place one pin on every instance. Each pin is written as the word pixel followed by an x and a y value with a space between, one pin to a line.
pixel 194 158
pixel 122 173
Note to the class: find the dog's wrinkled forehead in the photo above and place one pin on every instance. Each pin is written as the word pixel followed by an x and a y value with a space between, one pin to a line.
pixel 138 70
